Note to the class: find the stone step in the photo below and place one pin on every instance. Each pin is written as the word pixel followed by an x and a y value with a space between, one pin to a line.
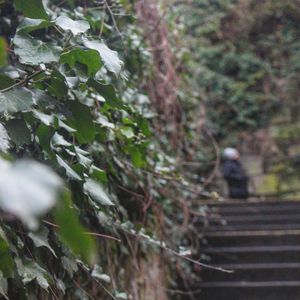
pixel 253 239
pixel 252 227
pixel 250 284
pixel 253 291
pixel 254 272
pixel 254 233
pixel 253 249
pixel 259 242
pixel 250 219
pixel 241 208
pixel 267 210
pixel 252 254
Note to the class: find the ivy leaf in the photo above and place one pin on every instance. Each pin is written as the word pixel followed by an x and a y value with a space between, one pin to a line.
pixel 32 271
pixel 127 132
pixel 107 91
pixel 45 119
pixel 110 57
pixel 58 86
pixel 3 286
pixel 3 53
pixel 40 239
pixel 98 273
pixel 32 51
pixel 137 158
pixel 97 192
pixel 32 8
pixel 98 174
pixel 75 27
pixel 83 160
pixel 27 189
pixel 16 100
pixel 29 25
pixel 89 58
pixel 5 81
pixel 69 265
pixel 59 140
pixel 6 261
pixel 82 121
pixel 18 132
pixel 69 171
pixel 72 232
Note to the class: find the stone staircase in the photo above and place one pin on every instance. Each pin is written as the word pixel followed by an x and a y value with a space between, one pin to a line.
pixel 260 243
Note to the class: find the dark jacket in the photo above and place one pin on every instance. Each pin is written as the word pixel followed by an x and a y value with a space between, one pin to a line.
pixel 236 179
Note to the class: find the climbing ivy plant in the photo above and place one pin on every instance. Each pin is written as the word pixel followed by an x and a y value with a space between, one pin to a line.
pixel 74 137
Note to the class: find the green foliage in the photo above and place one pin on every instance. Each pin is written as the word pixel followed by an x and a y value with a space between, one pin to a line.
pixel 71 231
pixel 16 100
pixel 3 54
pixel 68 100
pixel 34 52
pixel 242 50
pixel 32 8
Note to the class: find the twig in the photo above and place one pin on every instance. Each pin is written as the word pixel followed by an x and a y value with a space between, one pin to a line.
pixel 103 235
pixel 24 81
pixel 113 18
pixel 160 245
pixel 88 233
pixel 81 288
pixel 98 282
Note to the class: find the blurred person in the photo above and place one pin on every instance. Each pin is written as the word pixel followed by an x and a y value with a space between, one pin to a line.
pixel 235 175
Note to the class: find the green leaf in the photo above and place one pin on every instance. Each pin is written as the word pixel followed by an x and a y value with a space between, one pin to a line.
pixel 98 174
pixel 83 160
pixel 59 140
pixel 137 158
pixel 6 261
pixel 127 132
pixel 3 286
pixel 32 51
pixel 45 119
pixel 18 132
pixel 96 191
pixel 69 265
pixel 109 57
pixel 5 81
pixel 144 127
pixel 72 232
pixel 69 171
pixel 40 239
pixel 58 86
pixel 98 273
pixel 44 134
pixel 32 8
pixel 82 121
pixel 3 52
pixel 75 27
pixel 89 58
pixel 30 25
pixel 32 271
pixel 107 91
pixel 16 100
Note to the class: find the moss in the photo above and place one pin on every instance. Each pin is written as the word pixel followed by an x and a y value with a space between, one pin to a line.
pixel 269 184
